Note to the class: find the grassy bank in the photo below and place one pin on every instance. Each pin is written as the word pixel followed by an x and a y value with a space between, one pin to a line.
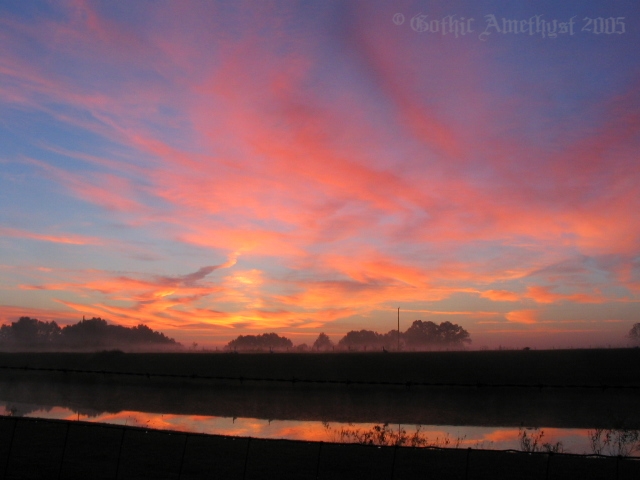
pixel 32 448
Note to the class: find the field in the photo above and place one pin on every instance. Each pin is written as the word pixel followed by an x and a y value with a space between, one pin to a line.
pixel 606 367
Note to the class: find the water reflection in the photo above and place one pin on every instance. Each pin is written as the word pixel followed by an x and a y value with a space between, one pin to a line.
pixel 569 420
pixel 568 440
pixel 622 442
pixel 568 408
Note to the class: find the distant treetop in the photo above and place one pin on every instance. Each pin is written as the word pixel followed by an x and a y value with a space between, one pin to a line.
pixel 419 336
pixel 634 333
pixel 323 343
pixel 93 334
pixel 258 343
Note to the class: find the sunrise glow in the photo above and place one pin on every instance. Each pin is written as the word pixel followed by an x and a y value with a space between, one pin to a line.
pixel 211 169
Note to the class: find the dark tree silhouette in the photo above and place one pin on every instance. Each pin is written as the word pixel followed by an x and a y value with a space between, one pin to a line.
pixel 258 343
pixel 420 335
pixel 390 340
pixel 32 334
pixel 428 335
pixel 46 333
pixel 452 335
pixel 362 340
pixel 323 343
pixel 96 332
pixel 634 333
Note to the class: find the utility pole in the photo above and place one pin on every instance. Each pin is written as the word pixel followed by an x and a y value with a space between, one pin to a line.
pixel 398 328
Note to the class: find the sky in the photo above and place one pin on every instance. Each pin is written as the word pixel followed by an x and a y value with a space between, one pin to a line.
pixel 215 169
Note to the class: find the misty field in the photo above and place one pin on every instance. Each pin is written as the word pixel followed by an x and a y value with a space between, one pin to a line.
pixel 605 367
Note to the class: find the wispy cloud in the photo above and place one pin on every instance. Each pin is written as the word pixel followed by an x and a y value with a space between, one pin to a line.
pixel 68 239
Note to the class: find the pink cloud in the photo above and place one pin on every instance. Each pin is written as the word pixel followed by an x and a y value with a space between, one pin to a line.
pixel 546 295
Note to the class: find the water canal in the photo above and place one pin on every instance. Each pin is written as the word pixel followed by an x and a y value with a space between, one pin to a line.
pixel 570 440
pixel 530 420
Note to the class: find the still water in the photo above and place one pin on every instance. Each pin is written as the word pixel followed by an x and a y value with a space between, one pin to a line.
pixel 568 440
pixel 605 421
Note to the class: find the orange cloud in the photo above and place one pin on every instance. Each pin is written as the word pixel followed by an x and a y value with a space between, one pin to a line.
pixel 500 296
pixel 523 316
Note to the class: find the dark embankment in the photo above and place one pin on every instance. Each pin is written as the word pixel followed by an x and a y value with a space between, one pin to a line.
pixel 31 448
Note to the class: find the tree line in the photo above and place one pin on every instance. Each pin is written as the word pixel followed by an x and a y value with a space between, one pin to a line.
pixel 419 336
pixel 93 334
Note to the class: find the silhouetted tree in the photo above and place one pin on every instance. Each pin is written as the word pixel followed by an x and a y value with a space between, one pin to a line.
pixel 421 334
pixel 390 340
pixel 96 332
pixel 32 334
pixel 634 333
pixel 90 333
pixel 362 340
pixel 452 335
pixel 266 341
pixel 323 343
pixel 428 335
pixel 143 335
